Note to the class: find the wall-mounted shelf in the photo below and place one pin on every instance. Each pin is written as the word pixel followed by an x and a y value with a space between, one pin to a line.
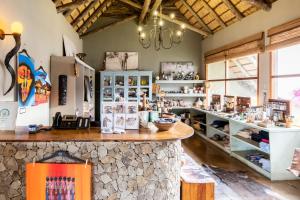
pixel 179 81
pixel 181 95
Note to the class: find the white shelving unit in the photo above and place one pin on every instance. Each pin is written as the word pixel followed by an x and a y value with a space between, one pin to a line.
pixel 283 142
pixel 179 81
pixel 182 95
pixel 177 85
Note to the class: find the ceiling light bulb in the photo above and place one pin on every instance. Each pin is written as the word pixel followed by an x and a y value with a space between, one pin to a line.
pixel 140 29
pixel 183 26
pixel 172 15
pixel 16 27
pixel 155 12
pixel 143 35
pixel 161 23
pixel 178 33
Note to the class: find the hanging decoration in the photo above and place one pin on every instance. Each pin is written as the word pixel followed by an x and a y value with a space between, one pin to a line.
pixel 58 181
pixel 34 86
pixel 26 80
pixel 42 86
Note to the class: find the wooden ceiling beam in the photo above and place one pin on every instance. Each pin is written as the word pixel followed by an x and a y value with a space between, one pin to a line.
pixel 155 6
pixel 213 13
pixel 188 26
pixel 144 11
pixel 200 21
pixel 263 4
pixel 69 6
pixel 95 14
pixel 233 9
pixel 109 25
pixel 84 12
pixel 167 18
pixel 132 4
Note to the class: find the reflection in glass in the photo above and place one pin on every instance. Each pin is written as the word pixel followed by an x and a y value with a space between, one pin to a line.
pixel 242 67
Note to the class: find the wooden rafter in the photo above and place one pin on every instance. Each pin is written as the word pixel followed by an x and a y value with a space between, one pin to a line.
pixel 155 5
pixel 144 11
pixel 132 4
pixel 167 18
pixel 233 9
pixel 110 25
pixel 263 4
pixel 69 6
pixel 188 26
pixel 84 12
pixel 95 14
pixel 200 21
pixel 213 13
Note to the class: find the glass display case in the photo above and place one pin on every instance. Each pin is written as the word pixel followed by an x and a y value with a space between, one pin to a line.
pixel 130 86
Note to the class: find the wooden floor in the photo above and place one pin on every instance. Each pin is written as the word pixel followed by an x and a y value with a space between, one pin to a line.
pixel 203 152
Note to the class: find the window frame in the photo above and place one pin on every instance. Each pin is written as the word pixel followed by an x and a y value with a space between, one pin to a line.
pixel 235 79
pixel 273 55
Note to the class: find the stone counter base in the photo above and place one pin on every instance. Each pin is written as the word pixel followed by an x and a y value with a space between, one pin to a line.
pixel 121 170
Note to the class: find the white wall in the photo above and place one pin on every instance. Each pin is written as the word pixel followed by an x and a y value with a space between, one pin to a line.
pixel 42 37
pixel 282 11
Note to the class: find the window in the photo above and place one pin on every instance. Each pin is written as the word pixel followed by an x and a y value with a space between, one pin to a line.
pixel 234 77
pixel 286 77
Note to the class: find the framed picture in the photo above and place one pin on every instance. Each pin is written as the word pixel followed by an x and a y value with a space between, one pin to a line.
pixel 229 103
pixel 119 108
pixel 58 181
pixel 216 99
pixel 242 103
pixel 132 108
pixel 119 121
pixel 107 121
pixel 108 108
pixel 132 121
pixel 175 68
pixel 117 61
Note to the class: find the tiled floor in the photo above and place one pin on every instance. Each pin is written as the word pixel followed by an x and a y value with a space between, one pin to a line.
pixel 203 152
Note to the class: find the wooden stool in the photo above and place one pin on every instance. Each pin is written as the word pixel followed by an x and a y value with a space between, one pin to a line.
pixel 196 183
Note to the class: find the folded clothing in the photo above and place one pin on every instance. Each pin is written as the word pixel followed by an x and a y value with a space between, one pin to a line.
pixel 265 147
pixel 261 135
pixel 265 164
pixel 244 134
pixel 219 123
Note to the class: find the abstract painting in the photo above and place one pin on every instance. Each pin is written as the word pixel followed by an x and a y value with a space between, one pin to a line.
pixel 58 181
pixel 117 61
pixel 42 86
pixel 26 81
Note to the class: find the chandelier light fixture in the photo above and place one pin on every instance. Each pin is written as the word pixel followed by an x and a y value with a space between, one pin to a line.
pixel 157 34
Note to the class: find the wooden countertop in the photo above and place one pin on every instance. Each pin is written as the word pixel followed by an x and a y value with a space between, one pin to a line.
pixel 178 132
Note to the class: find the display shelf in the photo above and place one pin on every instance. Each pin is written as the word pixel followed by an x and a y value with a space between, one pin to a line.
pixel 179 81
pixel 181 95
pixel 249 142
pixel 289 138
pixel 217 130
pixel 199 132
pixel 240 155
pixel 219 144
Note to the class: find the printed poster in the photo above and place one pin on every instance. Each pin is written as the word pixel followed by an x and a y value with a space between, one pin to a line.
pixel 46 181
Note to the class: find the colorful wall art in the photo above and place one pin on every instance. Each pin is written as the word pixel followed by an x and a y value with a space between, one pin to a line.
pixel 33 85
pixel 58 181
pixel 42 86
pixel 26 81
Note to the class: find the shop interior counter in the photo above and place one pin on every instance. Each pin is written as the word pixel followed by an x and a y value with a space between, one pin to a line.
pixel 140 164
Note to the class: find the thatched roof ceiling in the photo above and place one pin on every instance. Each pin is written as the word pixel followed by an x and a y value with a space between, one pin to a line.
pixel 202 16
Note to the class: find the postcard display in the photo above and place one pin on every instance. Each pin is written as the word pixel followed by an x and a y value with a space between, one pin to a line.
pixel 122 115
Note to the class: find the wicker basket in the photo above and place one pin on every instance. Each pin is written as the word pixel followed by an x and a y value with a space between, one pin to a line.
pixel 164 126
